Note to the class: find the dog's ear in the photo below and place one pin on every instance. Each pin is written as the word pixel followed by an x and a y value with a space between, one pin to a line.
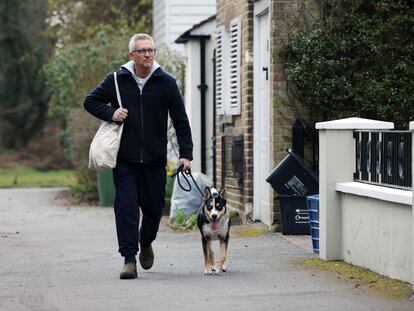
pixel 207 193
pixel 222 193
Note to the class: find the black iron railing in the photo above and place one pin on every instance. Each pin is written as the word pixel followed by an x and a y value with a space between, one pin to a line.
pixel 383 158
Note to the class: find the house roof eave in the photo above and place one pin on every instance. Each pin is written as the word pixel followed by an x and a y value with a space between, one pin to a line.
pixel 187 35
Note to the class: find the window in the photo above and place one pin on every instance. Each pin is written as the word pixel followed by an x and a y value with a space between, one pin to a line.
pixel 219 70
pixel 228 68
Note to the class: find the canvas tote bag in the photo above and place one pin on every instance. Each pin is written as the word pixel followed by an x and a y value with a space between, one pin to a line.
pixel 105 145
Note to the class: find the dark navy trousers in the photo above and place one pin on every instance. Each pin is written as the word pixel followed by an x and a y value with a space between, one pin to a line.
pixel 138 186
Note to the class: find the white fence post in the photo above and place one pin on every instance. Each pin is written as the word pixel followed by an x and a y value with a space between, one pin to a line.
pixel 336 164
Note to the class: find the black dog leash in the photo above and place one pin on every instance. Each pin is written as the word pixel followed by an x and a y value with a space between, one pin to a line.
pixel 188 172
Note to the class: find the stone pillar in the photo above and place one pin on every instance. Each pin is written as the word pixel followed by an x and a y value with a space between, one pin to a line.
pixel 336 165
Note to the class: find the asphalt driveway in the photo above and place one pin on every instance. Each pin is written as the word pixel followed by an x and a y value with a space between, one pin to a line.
pixel 54 256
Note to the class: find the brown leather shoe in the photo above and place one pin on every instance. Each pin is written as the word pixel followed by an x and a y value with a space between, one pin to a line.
pixel 129 271
pixel 146 257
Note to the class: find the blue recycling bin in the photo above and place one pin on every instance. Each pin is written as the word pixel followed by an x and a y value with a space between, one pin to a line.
pixel 312 203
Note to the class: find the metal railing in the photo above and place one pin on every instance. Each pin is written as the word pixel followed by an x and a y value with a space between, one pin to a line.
pixel 383 158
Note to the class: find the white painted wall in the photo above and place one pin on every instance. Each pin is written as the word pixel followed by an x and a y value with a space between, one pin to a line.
pixel 171 18
pixel 333 167
pixel 336 165
pixel 160 20
pixel 376 234
pixel 192 94
pixel 365 225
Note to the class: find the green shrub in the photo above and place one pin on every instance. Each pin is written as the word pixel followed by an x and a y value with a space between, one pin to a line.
pixel 183 222
pixel 73 72
pixel 169 187
pixel 233 214
pixel 357 61
pixel 179 218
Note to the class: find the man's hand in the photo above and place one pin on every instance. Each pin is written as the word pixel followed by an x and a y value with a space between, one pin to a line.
pixel 120 115
pixel 186 164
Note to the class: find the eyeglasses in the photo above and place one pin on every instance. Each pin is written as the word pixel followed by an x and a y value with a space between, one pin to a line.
pixel 144 51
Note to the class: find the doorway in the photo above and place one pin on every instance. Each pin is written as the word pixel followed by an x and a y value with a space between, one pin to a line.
pixel 261 122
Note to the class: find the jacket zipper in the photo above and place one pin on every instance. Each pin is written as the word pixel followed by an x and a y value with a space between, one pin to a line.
pixel 142 124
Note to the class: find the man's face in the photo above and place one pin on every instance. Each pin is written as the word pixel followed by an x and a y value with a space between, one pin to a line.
pixel 143 54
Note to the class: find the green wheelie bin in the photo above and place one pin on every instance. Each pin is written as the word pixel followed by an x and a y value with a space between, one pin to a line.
pixel 106 188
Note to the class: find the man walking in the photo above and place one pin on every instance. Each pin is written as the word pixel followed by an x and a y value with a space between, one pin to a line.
pixel 148 95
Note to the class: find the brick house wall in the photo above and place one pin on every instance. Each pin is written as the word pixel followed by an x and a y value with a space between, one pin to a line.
pixel 239 189
pixel 285 17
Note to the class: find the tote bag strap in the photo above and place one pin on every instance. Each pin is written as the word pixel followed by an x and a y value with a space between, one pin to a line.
pixel 118 96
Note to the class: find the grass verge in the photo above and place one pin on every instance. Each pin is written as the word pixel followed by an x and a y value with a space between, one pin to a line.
pixel 26 177
pixel 374 282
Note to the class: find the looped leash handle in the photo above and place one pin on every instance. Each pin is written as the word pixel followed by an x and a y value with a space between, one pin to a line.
pixel 188 172
pixel 177 173
pixel 179 169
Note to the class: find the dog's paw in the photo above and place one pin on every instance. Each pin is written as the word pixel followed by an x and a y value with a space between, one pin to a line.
pixel 221 268
pixel 211 271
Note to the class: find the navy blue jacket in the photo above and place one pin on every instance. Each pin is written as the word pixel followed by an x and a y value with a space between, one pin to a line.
pixel 144 137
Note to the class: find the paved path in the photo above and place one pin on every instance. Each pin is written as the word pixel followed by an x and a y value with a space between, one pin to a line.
pixel 57 257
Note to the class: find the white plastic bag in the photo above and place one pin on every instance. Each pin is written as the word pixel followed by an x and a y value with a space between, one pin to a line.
pixel 188 202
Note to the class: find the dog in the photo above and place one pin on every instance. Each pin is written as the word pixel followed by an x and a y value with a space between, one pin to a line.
pixel 213 220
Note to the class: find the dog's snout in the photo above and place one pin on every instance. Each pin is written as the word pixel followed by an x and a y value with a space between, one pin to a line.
pixel 214 216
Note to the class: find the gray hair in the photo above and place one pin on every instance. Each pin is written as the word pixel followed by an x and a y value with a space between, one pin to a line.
pixel 139 36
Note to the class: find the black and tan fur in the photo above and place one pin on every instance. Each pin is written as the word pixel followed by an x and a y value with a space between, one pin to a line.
pixel 214 223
